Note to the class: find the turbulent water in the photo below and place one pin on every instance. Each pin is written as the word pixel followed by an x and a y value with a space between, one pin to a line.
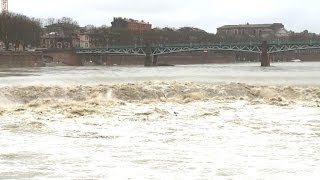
pixel 187 122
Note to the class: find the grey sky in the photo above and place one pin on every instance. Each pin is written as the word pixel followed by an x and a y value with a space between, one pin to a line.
pixel 296 15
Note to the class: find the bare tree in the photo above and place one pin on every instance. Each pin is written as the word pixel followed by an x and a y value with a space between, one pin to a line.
pixel 19 30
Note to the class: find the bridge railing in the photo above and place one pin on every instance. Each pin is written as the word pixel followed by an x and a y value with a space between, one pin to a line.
pixel 294 43
pixel 173 45
pixel 206 44
pixel 115 47
pixel 240 44
pixel 273 43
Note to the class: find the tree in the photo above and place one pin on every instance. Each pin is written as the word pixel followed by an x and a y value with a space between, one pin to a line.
pixel 19 30
pixel 66 24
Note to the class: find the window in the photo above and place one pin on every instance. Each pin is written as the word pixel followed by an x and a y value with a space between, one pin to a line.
pixel 236 32
pixel 86 38
pixel 86 45
pixel 59 45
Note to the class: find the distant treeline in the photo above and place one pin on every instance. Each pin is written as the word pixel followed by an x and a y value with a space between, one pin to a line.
pixel 20 30
pixel 186 35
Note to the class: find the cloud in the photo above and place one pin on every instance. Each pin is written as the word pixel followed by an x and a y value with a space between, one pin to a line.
pixel 206 14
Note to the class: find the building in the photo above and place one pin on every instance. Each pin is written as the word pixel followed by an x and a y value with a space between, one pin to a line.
pixel 130 24
pixel 254 30
pixel 65 36
pixel 60 36
pixel 90 38
pixel 54 40
pixel 84 40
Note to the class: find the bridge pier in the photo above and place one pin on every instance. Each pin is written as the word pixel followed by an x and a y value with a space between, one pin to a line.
pixel 155 60
pixel 151 60
pixel 265 61
pixel 148 60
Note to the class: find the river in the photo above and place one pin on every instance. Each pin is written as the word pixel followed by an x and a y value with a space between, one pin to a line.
pixel 232 121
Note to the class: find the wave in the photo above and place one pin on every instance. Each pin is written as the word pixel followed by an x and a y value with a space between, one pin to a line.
pixel 83 100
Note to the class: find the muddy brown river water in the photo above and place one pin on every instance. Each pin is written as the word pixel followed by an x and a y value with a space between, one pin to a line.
pixel 236 121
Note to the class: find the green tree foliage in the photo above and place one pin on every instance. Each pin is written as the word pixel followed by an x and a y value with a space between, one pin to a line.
pixel 65 24
pixel 304 36
pixel 157 36
pixel 18 30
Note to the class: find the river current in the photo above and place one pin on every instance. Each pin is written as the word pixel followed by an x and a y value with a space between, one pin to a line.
pixel 233 121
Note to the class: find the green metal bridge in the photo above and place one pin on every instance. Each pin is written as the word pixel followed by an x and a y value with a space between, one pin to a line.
pixel 152 52
pixel 169 49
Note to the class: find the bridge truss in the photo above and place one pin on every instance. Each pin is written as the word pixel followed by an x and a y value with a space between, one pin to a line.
pixel 139 51
pixel 214 47
pixel 277 48
pixel 161 50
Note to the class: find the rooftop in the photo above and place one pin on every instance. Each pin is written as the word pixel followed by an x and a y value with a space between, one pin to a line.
pixel 250 26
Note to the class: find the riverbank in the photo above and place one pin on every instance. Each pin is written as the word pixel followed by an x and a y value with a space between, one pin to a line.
pixel 21 59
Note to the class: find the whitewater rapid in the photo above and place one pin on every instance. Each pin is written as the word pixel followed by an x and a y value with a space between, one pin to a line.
pixel 185 122
pixel 87 100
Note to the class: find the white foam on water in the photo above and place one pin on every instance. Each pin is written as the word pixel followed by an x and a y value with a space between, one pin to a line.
pixel 165 127
pixel 197 140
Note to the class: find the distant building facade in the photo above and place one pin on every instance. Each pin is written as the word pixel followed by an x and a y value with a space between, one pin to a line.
pixel 60 37
pixel 89 38
pixel 254 30
pixel 84 40
pixel 130 24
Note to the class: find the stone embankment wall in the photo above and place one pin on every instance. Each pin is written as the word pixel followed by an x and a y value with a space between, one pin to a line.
pixel 179 58
pixel 201 58
pixel 67 57
pixel 37 59
pixel 21 59
pixel 303 55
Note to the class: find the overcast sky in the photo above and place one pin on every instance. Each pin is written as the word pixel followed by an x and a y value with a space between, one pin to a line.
pixel 296 15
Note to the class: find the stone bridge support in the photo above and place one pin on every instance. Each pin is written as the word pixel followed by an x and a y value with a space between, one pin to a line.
pixel 151 60
pixel 155 60
pixel 265 61
pixel 148 60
